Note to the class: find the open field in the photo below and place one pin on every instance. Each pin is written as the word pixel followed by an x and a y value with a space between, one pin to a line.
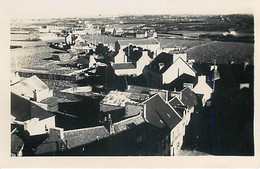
pixel 223 52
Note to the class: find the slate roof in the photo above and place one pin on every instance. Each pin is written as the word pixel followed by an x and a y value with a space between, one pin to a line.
pixel 128 65
pixel 80 137
pixel 117 98
pixel 188 97
pixel 53 101
pixel 75 138
pixel 27 86
pixel 162 58
pixel 161 114
pixel 16 143
pixel 49 143
pixel 146 90
pixel 176 104
pixel 138 42
pixel 123 125
pixel 178 82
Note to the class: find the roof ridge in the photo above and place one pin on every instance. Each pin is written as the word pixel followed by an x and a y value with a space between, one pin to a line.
pixel 82 129
pixel 150 98
pixel 131 118
pixel 174 110
pixel 184 62
pixel 167 103
pixel 178 100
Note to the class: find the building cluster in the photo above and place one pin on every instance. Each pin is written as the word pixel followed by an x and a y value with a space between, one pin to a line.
pixel 135 120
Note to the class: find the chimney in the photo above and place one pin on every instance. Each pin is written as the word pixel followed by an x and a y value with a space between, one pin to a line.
pixel 35 95
pixel 111 125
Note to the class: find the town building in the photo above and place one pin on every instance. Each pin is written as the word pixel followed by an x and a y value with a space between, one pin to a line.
pixel 120 45
pixel 137 60
pixel 166 67
pixel 144 118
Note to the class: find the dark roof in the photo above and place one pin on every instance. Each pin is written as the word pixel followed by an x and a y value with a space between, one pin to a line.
pixel 163 58
pixel 53 101
pixel 177 104
pixel 16 143
pixel 83 60
pixel 37 140
pixel 138 42
pixel 50 144
pixel 128 65
pixel 160 114
pixel 146 90
pixel 178 82
pixel 39 112
pixel 168 115
pixel 80 137
pixel 108 108
pixel 139 97
pixel 188 97
pixel 124 124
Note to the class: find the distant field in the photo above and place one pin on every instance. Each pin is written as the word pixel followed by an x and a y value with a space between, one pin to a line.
pixel 223 52
pixel 33 53
pixel 170 43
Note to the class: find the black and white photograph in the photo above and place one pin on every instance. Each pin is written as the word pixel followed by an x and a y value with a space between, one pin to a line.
pixel 131 78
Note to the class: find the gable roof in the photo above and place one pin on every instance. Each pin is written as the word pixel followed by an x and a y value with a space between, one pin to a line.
pixel 177 104
pixel 179 81
pixel 138 42
pixel 16 143
pixel 162 58
pixel 79 137
pixel 49 143
pixel 160 113
pixel 27 86
pixel 179 58
pixel 188 97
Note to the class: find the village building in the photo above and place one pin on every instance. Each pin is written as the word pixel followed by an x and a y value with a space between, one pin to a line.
pixel 120 45
pixel 166 67
pixel 135 114
pixel 135 65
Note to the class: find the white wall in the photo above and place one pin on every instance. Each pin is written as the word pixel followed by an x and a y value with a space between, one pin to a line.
pixel 36 126
pixel 176 141
pixel 43 94
pixel 120 57
pixel 172 72
pixel 142 62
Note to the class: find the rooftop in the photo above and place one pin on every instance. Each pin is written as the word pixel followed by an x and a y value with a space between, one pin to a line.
pixel 160 113
pixel 117 98
pixel 128 65
pixel 188 97
pixel 28 85
pixel 75 138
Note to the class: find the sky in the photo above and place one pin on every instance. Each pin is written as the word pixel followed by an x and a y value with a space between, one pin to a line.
pixel 92 8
